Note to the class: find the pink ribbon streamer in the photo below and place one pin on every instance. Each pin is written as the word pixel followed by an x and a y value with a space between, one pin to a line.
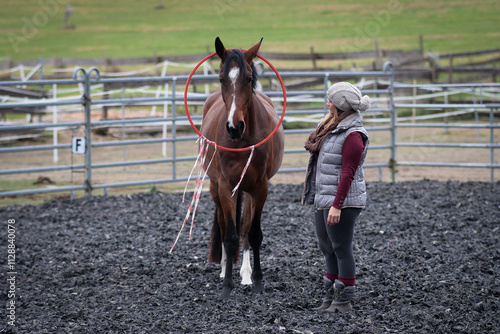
pixel 202 155
pixel 252 149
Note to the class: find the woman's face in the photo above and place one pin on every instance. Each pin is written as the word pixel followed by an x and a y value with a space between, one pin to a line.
pixel 331 107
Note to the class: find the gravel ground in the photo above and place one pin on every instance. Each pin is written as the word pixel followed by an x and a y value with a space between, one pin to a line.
pixel 427 255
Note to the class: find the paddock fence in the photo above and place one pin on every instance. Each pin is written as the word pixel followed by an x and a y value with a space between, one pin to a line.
pixel 84 93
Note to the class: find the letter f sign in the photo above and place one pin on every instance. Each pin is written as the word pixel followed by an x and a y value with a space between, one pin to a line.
pixel 78 145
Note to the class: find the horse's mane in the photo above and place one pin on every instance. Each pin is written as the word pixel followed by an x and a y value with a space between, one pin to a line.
pixel 239 58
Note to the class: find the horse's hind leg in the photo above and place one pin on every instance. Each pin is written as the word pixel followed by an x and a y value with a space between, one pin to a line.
pixel 246 269
pixel 223 261
pixel 215 251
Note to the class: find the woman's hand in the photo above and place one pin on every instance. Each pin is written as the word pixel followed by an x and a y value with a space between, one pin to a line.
pixel 333 216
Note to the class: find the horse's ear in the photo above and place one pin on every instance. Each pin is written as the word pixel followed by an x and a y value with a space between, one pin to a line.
pixel 251 53
pixel 220 49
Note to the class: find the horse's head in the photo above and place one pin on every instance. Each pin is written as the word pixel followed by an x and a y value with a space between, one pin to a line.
pixel 238 78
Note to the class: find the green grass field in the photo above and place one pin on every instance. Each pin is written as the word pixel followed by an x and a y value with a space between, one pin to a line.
pixel 30 29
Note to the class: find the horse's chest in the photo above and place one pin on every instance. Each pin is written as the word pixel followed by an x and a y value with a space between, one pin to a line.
pixel 232 170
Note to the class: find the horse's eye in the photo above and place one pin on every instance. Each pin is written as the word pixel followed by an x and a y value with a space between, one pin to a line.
pixel 250 79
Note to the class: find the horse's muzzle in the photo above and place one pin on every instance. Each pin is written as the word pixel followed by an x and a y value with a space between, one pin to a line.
pixel 236 132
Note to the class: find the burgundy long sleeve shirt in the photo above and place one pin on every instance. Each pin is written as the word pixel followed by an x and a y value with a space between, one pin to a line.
pixel 351 157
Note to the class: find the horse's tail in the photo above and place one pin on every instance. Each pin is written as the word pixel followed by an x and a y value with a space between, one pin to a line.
pixel 215 244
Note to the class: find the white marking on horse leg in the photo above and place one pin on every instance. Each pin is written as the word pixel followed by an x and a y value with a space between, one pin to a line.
pixel 246 269
pixel 233 75
pixel 223 263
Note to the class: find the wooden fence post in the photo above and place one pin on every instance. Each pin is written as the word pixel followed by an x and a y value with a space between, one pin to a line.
pixel 313 58
pixel 107 61
pixel 378 56
pixel 421 48
pixel 494 73
pixel 421 44
pixel 155 56
pixel 450 69
pixel 211 60
pixel 433 71
pixel 105 96
pixel 156 61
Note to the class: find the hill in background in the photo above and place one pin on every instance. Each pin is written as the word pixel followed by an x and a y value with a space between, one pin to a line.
pixel 35 28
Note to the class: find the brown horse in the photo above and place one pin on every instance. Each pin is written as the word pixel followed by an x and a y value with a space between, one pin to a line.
pixel 238 116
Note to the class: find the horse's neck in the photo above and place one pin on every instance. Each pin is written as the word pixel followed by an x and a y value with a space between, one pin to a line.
pixel 255 112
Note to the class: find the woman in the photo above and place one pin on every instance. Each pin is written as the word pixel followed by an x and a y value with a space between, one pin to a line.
pixel 335 185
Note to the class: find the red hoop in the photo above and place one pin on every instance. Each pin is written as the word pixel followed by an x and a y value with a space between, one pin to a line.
pixel 229 148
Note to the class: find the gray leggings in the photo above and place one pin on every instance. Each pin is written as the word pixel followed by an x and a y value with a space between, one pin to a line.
pixel 335 242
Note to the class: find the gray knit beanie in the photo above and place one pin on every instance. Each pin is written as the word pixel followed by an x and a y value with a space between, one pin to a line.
pixel 346 97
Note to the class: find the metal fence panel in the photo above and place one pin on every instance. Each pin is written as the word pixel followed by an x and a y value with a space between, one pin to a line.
pixel 92 77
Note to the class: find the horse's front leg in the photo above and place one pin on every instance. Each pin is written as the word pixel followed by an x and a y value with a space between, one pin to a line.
pixel 255 233
pixel 231 249
pixel 230 240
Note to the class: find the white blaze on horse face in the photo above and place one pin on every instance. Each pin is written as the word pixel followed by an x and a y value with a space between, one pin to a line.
pixel 246 269
pixel 233 75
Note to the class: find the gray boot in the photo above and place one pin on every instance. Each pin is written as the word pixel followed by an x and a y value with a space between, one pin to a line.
pixel 342 297
pixel 327 301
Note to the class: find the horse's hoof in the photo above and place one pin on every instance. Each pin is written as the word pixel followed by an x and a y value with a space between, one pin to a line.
pixel 226 292
pixel 257 286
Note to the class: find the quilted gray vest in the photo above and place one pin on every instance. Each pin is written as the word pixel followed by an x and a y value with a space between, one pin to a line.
pixel 323 174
